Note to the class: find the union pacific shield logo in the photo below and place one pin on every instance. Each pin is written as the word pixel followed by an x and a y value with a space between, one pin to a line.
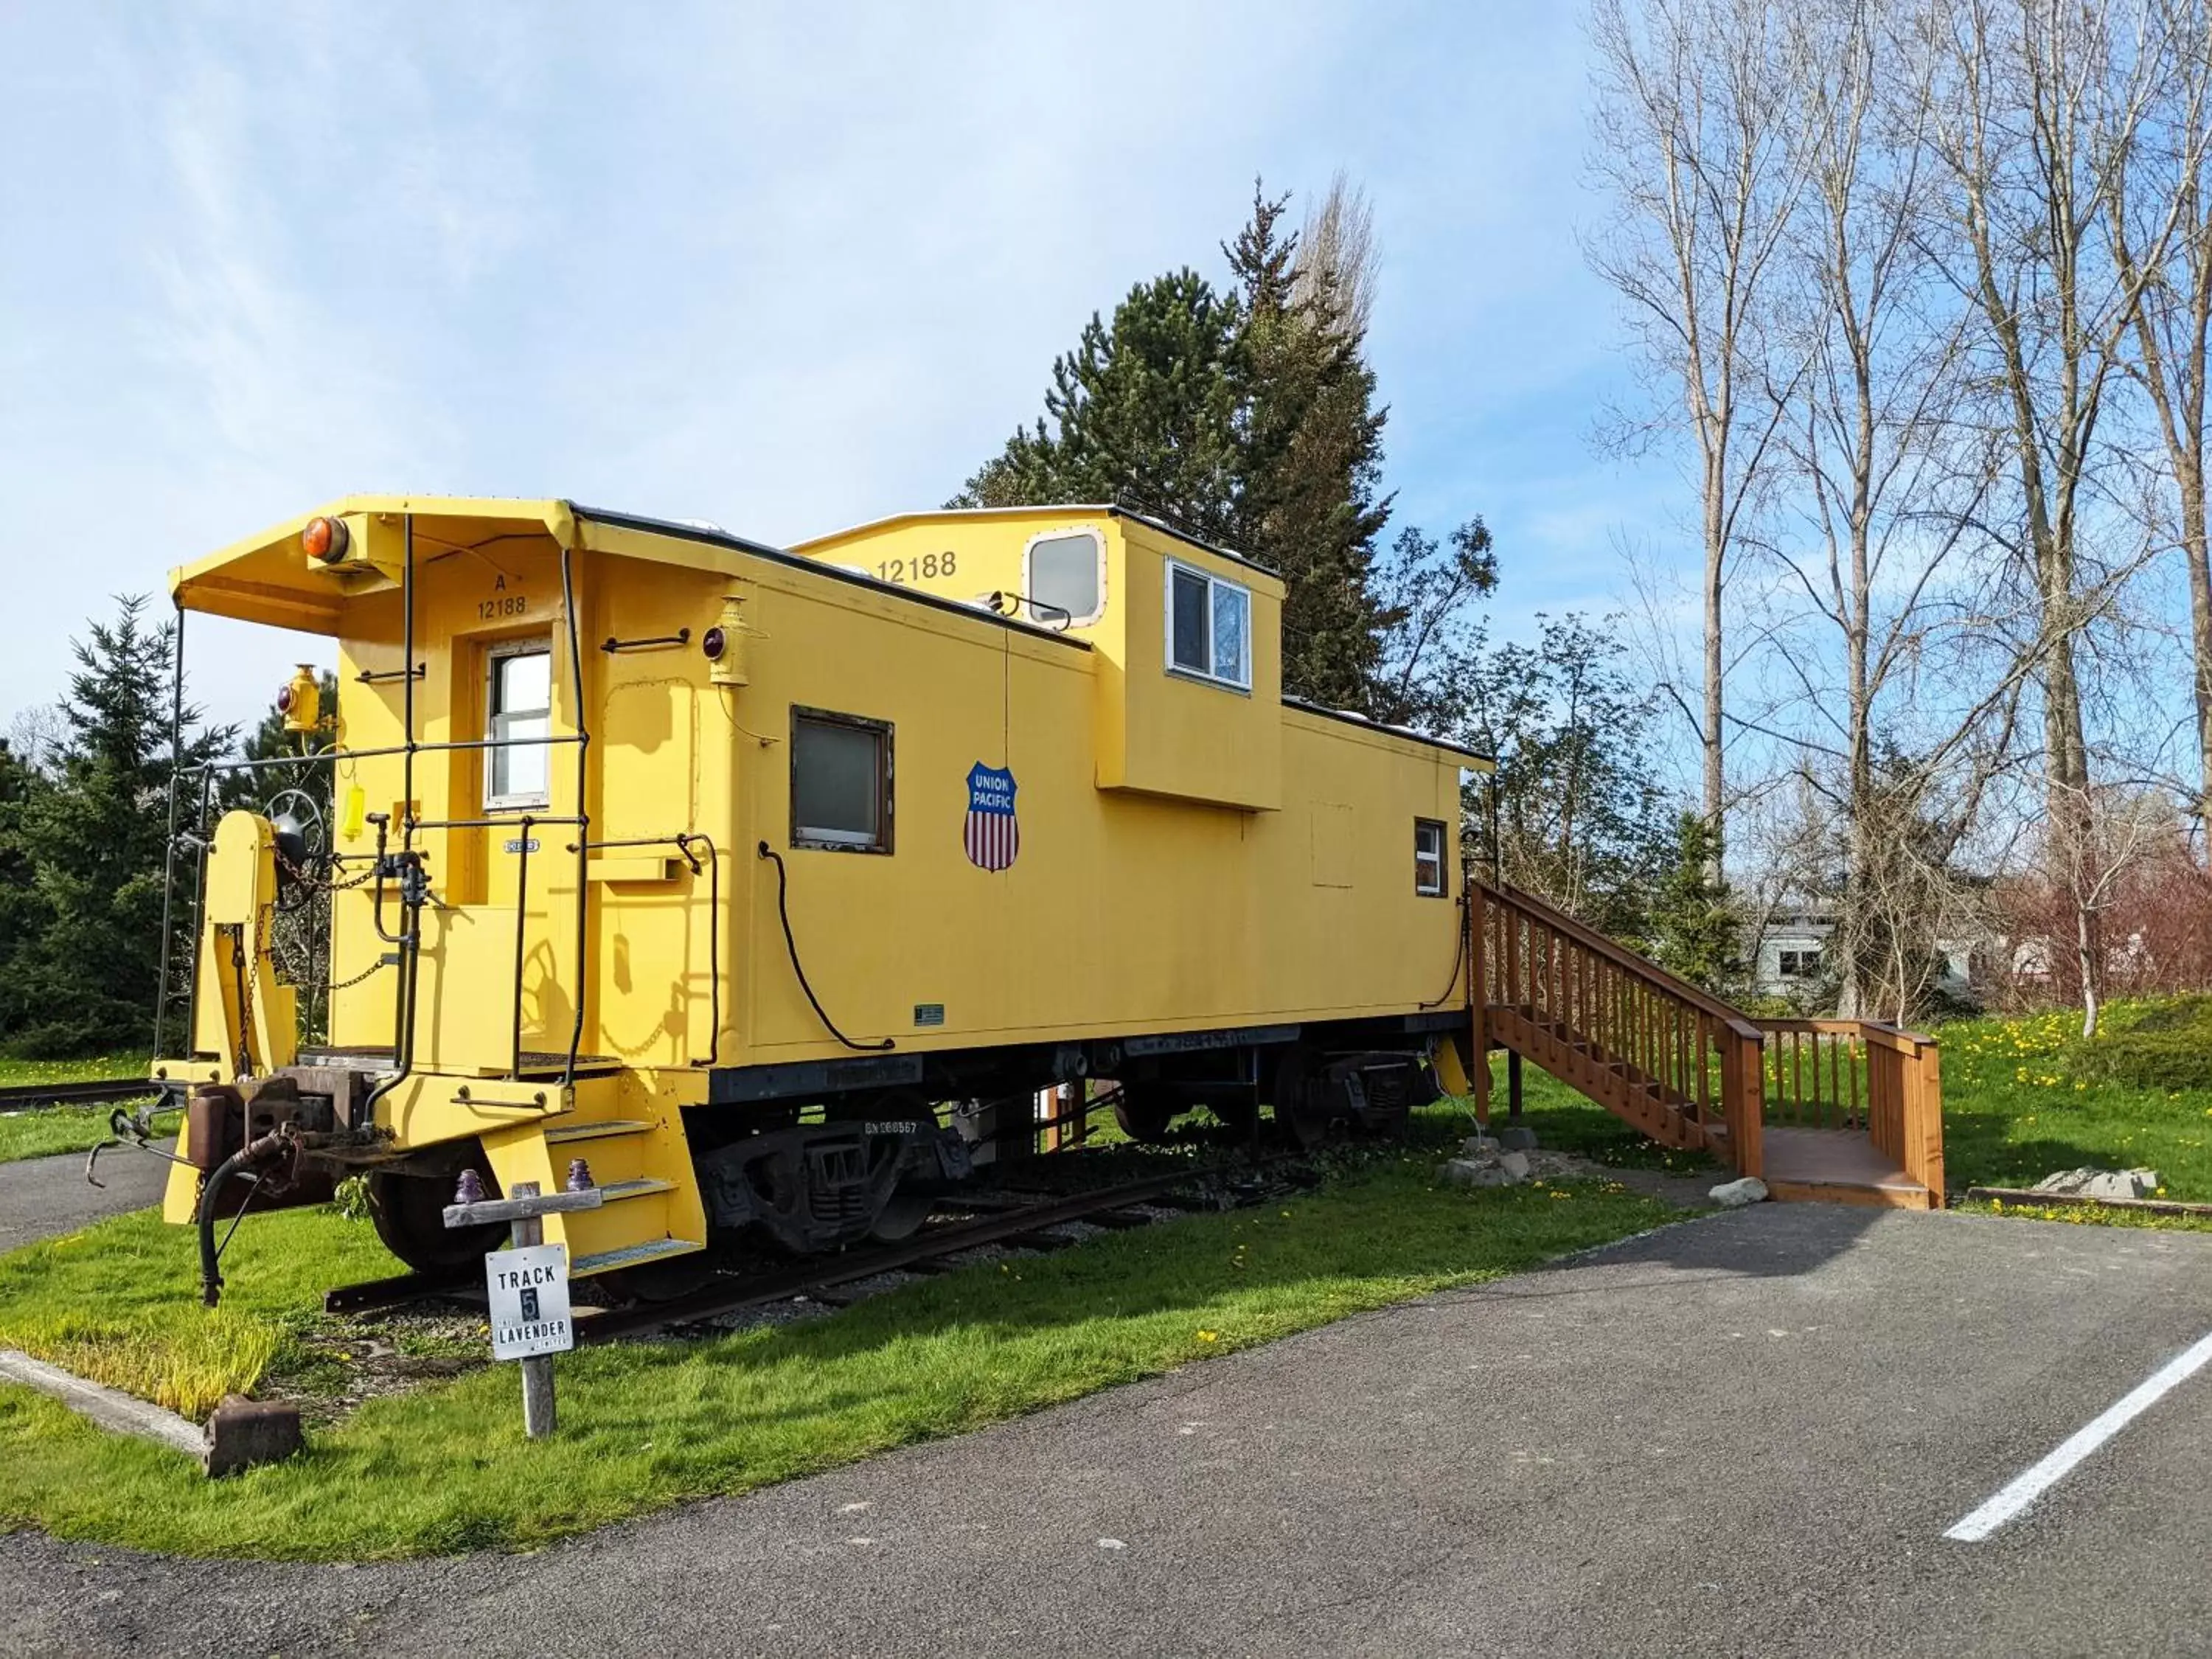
pixel 993 837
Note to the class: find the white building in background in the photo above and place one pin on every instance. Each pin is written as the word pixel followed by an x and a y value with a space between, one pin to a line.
pixel 1791 956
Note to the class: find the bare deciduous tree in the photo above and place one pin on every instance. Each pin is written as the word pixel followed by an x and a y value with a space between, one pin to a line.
pixel 1697 140
pixel 2165 189
pixel 1879 502
pixel 1337 251
pixel 2038 108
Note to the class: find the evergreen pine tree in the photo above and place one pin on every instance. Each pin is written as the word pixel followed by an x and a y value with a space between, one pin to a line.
pixel 1310 460
pixel 1142 413
pixel 1246 419
pixel 19 894
pixel 83 975
pixel 1696 932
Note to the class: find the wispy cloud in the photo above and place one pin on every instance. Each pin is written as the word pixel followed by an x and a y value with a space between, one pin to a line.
pixel 783 268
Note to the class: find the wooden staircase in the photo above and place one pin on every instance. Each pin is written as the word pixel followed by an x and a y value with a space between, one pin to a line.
pixel 1863 1126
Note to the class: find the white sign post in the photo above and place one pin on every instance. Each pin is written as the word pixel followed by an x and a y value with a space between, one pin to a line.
pixel 527 1288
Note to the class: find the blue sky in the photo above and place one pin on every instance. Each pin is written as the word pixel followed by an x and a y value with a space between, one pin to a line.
pixel 784 267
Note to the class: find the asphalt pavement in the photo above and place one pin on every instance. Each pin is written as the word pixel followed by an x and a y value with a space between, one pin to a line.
pixel 46 1197
pixel 1743 1435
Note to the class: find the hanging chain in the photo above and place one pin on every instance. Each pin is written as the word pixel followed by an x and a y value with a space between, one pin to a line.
pixel 246 990
pixel 376 967
pixel 321 883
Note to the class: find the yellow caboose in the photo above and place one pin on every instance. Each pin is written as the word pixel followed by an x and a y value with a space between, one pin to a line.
pixel 731 869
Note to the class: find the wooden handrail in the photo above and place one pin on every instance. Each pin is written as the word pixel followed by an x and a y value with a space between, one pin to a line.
pixel 1862 1074
pixel 1642 967
pixel 1656 1049
pixel 1651 1047
pixel 1909 1043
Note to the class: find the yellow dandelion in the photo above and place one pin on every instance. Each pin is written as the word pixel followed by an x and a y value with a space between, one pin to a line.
pixel 1209 1336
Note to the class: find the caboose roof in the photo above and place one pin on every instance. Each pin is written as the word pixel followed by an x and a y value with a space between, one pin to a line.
pixel 1050 513
pixel 265 578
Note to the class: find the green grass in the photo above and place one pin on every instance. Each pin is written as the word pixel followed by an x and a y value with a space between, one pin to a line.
pixel 119 1301
pixel 1566 1122
pixel 2085 1215
pixel 44 1131
pixel 95 1070
pixel 2022 1099
pixel 644 1426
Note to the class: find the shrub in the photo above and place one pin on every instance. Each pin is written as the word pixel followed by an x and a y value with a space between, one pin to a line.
pixel 2168 1047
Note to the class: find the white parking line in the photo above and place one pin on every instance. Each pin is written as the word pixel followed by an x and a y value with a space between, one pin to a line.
pixel 2032 1483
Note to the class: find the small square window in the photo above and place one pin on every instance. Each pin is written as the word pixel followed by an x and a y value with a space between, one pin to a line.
pixel 841 781
pixel 1800 964
pixel 1209 627
pixel 1063 580
pixel 1187 644
pixel 1428 858
pixel 518 718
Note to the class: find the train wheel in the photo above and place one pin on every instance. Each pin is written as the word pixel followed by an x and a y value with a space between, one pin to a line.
pixel 1300 1107
pixel 661 1281
pixel 1240 1117
pixel 1143 1110
pixel 409 1211
pixel 902 1216
pixel 910 1203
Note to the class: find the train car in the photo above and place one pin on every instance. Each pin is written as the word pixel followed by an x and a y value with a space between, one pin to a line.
pixel 747 876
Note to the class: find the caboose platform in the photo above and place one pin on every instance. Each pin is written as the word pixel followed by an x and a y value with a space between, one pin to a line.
pixel 1839 1166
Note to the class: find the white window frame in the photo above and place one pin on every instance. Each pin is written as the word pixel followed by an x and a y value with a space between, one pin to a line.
pixel 1213 585
pixel 500 651
pixel 1046 615
pixel 1444 876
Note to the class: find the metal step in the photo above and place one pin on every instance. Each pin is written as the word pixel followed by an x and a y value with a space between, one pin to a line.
pixel 632 1255
pixel 616 1126
pixel 615 1191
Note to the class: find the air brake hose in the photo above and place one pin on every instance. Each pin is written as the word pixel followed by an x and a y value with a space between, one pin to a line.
pixel 790 943
pixel 252 1152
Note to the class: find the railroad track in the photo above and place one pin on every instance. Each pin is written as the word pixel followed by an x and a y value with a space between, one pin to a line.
pixel 805 1278
pixel 1021 1223
pixel 26 1096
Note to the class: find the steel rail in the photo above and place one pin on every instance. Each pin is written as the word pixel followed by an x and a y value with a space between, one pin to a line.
pixel 805 1277
pixel 23 1097
pixel 752 1290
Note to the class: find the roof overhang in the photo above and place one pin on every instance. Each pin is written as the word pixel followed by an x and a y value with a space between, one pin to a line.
pixel 267 578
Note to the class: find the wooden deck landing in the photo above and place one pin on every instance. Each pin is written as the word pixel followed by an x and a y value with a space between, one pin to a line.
pixel 1837 1166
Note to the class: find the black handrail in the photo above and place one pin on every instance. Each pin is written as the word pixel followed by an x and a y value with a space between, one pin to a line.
pixel 681 637
pixel 583 810
pixel 524 842
pixel 551 740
